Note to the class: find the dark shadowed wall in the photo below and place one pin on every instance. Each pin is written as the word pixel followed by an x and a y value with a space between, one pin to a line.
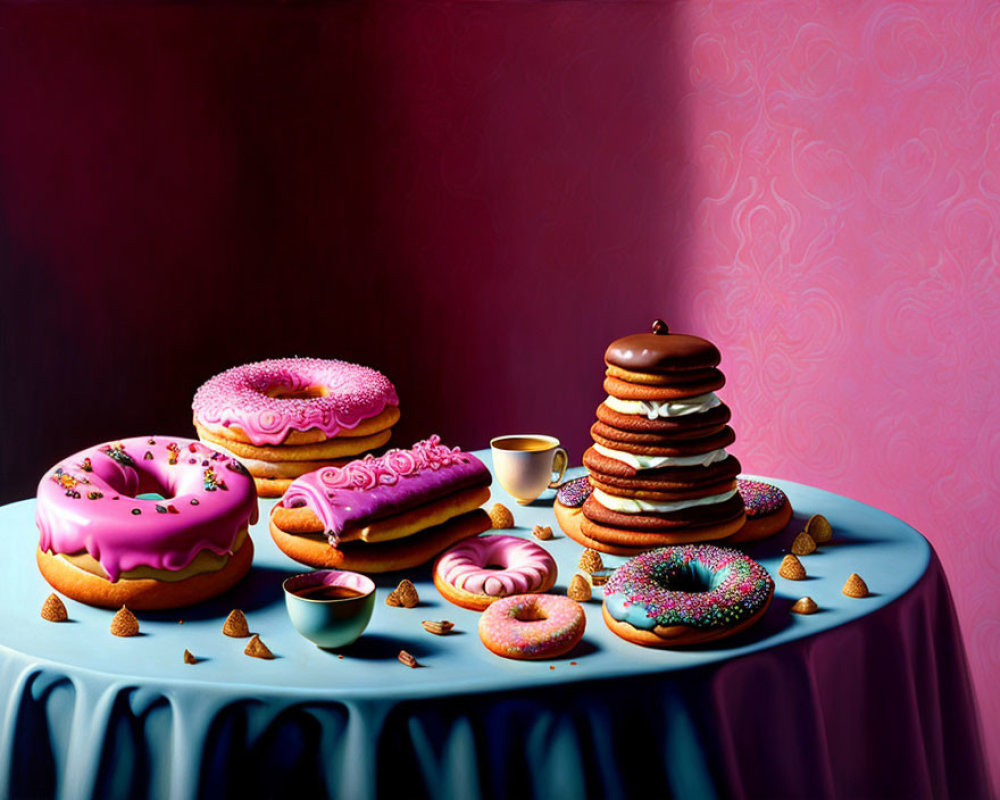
pixel 473 198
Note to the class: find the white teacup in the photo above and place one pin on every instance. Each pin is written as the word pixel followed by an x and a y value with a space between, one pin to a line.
pixel 523 464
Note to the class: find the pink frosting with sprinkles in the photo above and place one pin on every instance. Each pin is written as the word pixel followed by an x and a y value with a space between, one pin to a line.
pixel 760 498
pixel 370 488
pixel 87 502
pixel 574 493
pixel 532 625
pixel 526 566
pixel 241 397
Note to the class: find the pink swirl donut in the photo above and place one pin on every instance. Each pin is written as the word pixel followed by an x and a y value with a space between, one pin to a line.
pixel 267 400
pixel 475 573
pixel 103 544
pixel 532 626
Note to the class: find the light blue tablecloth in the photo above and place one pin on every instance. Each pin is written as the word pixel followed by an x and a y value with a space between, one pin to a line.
pixel 88 714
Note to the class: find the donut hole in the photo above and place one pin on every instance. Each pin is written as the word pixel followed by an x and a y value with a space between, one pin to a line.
pixel 691 578
pixel 497 567
pixel 300 393
pixel 149 487
pixel 530 614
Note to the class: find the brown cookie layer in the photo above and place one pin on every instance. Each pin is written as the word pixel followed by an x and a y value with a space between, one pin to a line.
pixel 570 520
pixel 706 381
pixel 686 427
pixel 646 540
pixel 663 445
pixel 617 473
pixel 695 516
pixel 662 352
pixel 668 496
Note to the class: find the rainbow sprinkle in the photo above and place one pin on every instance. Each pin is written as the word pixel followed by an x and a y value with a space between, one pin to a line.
pixel 760 498
pixel 574 493
pixel 702 586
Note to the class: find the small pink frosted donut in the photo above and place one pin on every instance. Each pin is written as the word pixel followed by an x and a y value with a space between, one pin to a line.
pixel 532 626
pixel 476 572
pixel 255 398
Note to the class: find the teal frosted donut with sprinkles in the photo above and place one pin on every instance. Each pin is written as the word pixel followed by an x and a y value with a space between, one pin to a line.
pixel 768 511
pixel 679 596
pixel 532 626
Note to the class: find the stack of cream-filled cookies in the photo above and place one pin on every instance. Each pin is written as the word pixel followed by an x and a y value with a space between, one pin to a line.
pixel 658 467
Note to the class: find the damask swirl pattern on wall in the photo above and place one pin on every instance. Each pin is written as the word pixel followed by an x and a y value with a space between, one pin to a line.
pixel 845 258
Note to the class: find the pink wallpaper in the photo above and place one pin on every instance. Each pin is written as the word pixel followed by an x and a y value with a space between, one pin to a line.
pixel 844 255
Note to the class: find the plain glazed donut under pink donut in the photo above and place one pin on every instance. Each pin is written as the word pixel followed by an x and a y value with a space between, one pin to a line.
pixel 478 571
pixel 532 626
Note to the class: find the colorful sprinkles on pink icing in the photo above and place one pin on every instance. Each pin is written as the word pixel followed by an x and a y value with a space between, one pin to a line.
pixel 532 625
pixel 644 591
pixel 760 498
pixel 574 493
pixel 240 396
pixel 90 502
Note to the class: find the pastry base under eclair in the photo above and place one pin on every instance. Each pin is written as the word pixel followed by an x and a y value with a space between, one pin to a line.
pixel 315 550
pixel 397 526
pixel 84 580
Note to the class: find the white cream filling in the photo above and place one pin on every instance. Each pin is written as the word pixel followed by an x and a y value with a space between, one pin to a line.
pixel 656 462
pixel 660 409
pixel 629 505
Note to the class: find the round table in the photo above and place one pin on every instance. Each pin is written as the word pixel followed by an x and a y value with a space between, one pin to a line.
pixel 827 705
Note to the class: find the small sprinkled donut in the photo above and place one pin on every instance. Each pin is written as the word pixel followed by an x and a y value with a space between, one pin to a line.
pixel 678 596
pixel 289 416
pixel 103 544
pixel 768 511
pixel 532 626
pixel 478 571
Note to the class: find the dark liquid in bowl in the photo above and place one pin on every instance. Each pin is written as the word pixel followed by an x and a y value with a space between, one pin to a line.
pixel 327 593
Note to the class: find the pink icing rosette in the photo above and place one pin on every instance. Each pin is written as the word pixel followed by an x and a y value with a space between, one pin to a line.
pixel 374 487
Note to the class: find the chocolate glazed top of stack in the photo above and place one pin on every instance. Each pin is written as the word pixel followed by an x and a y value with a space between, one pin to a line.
pixel 659 468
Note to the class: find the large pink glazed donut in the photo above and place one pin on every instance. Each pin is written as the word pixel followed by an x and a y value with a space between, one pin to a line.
pixel 476 572
pixel 102 545
pixel 275 402
pixel 532 626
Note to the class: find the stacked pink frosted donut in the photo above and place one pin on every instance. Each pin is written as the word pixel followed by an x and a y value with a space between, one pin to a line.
pixel 286 417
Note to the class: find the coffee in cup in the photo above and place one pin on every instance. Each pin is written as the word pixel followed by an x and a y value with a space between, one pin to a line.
pixel 524 464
